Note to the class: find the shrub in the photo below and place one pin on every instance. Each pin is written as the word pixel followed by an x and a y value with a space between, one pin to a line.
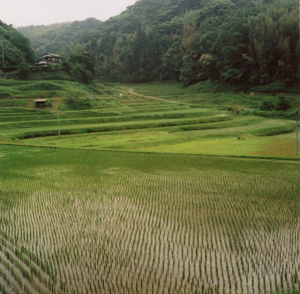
pixel 77 103
pixel 81 73
pixel 282 104
pixel 54 67
pixel 267 105
pixel 23 70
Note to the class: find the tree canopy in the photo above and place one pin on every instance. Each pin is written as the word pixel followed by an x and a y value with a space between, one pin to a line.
pixel 82 67
pixel 234 41
pixel 23 70
pixel 17 48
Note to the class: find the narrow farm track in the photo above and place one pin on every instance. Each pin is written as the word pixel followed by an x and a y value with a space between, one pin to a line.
pixel 140 223
pixel 131 91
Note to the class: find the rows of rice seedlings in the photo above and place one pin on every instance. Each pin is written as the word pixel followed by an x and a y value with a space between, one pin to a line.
pixel 20 270
pixel 141 223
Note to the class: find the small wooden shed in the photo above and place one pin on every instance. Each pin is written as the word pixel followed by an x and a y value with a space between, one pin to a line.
pixel 40 102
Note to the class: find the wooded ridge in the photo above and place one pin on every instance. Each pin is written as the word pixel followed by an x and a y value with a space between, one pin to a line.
pixel 238 41
pixel 16 46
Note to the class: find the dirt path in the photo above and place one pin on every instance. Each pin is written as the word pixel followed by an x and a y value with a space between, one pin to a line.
pixel 131 91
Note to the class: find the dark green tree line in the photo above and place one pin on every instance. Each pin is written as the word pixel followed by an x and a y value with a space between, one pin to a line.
pixel 234 41
pixel 17 48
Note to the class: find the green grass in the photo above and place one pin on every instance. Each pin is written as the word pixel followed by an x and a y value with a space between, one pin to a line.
pixel 250 146
pixel 48 89
pixel 212 95
pixel 13 103
pixel 30 130
pixel 216 138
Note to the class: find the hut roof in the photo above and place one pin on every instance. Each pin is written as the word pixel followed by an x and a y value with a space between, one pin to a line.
pixel 40 100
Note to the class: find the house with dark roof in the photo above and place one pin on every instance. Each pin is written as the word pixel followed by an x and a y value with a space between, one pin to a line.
pixel 49 59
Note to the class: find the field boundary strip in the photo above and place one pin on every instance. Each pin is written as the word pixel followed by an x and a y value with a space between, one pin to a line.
pixel 279 158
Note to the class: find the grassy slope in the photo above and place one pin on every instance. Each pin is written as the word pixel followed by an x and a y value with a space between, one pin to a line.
pixel 47 88
pixel 205 94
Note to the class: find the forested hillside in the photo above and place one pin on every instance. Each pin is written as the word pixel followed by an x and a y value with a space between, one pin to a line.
pixel 238 41
pixel 17 48
pixel 61 38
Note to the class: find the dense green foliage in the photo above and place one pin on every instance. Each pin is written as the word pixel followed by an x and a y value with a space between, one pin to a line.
pixel 239 42
pixel 23 70
pixel 281 105
pixel 17 48
pixel 63 38
pixel 77 103
pixel 267 105
pixel 81 67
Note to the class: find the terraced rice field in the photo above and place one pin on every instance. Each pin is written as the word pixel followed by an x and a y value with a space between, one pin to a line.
pixel 114 222
pixel 111 220
pixel 134 122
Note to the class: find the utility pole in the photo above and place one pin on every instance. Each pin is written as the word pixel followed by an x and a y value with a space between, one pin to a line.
pixel 58 120
pixel 297 132
pixel 2 53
